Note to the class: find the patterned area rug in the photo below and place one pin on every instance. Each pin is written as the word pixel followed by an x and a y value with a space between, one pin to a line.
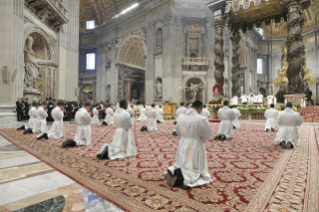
pixel 249 172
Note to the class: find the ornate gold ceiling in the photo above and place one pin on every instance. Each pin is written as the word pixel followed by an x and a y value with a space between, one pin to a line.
pixel 101 10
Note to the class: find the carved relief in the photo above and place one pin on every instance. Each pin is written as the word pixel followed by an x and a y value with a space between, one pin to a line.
pixel 159 39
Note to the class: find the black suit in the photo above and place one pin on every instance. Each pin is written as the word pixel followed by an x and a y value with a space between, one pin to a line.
pixel 19 110
pixel 70 110
pixel 27 108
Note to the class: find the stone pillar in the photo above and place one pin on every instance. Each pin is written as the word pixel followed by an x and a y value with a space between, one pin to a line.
pixel 210 48
pixel 129 91
pixel 219 24
pixel 235 38
pixel 296 49
pixel 149 73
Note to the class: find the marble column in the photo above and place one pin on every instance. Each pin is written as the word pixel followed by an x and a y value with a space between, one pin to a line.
pixel 210 48
pixel 235 38
pixel 296 49
pixel 129 91
pixel 219 24
pixel 149 73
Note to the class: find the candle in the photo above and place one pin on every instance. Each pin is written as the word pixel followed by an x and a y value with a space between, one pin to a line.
pixel 241 89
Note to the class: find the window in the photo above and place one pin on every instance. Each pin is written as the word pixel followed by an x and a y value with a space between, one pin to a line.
pixel 259 66
pixel 90 61
pixel 90 24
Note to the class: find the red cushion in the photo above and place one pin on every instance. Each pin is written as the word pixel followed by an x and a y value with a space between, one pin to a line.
pixel 214 120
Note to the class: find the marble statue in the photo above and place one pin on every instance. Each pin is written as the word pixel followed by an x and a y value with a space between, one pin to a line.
pixel 159 37
pixel 159 89
pixel 30 64
pixel 193 89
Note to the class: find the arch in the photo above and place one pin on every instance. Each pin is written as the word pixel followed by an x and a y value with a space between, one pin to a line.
pixel 132 52
pixel 194 26
pixel 30 28
pixel 187 81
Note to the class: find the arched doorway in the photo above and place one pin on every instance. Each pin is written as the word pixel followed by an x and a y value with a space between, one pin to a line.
pixel 194 88
pixel 131 69
pixel 86 93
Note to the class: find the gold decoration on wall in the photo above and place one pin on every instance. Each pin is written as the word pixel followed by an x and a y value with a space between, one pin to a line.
pixel 133 53
pixel 282 72
pixel 87 89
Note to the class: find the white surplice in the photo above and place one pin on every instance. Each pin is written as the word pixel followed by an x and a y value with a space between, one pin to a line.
pixel 260 99
pixel 83 135
pixel 151 116
pixel 191 154
pixel 181 110
pixel 41 115
pixel 34 122
pixel 142 115
pixel 234 100
pixel 123 144
pixel 270 99
pixel 160 114
pixel 237 114
pixel 244 99
pixel 57 130
pixel 272 117
pixel 227 116
pixel 95 116
pixel 130 111
pixel 289 119
pixel 109 116
pixel 205 113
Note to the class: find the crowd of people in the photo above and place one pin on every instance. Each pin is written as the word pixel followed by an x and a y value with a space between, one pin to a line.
pixel 192 124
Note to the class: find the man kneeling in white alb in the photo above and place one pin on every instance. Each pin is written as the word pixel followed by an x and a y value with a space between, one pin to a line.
pixel 190 168
pixel 160 113
pixel 227 116
pixel 123 144
pixel 109 117
pixel 272 116
pixel 236 124
pixel 34 122
pixel 287 135
pixel 205 112
pixel 57 130
pixel 83 135
pixel 151 119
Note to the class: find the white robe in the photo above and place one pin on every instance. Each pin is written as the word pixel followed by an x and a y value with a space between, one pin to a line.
pixel 237 114
pixel 181 110
pixel 151 116
pixel 95 116
pixel 142 115
pixel 34 122
pixel 160 114
pixel 41 115
pixel 57 130
pixel 234 100
pixel 205 113
pixel 270 99
pixel 289 119
pixel 191 154
pixel 83 135
pixel 226 116
pixel 272 116
pixel 109 116
pixel 260 99
pixel 130 111
pixel 123 144
pixel 244 99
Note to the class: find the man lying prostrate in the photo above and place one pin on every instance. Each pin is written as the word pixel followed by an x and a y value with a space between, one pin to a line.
pixel 190 168
pixel 236 124
pixel 57 130
pixel 123 144
pixel 33 123
pixel 272 116
pixel 227 116
pixel 205 112
pixel 83 135
pixel 181 110
pixel 287 135
pixel 109 117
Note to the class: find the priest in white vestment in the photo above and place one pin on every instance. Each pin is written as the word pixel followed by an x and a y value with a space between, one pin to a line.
pixel 244 99
pixel 123 144
pixel 57 129
pixel 130 110
pixel 42 117
pixel 234 100
pixel 205 112
pixel 181 110
pixel 270 99
pixel 151 117
pixel 272 118
pixel 227 116
pixel 260 99
pixel 287 135
pixel 191 168
pixel 236 124
pixel 33 122
pixel 95 119
pixel 109 117
pixel 83 135
pixel 160 114
pixel 142 117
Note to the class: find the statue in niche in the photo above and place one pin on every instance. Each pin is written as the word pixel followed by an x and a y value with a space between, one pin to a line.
pixel 159 89
pixel 159 39
pixel 108 93
pixel 30 64
pixel 193 91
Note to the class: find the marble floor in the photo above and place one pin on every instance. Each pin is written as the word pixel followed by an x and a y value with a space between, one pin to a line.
pixel 29 185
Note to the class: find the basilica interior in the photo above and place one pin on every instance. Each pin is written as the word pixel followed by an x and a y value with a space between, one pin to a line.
pixel 162 52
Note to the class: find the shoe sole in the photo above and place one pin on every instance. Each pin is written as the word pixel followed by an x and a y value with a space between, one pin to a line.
pixel 283 145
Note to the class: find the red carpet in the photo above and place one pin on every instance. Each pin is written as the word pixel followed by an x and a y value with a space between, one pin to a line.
pixel 249 172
